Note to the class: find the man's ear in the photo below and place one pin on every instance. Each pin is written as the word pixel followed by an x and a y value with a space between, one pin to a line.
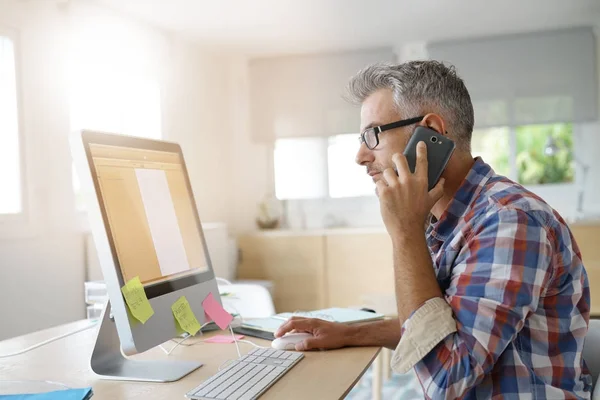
pixel 435 122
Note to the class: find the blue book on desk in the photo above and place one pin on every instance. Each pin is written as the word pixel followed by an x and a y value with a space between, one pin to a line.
pixel 69 394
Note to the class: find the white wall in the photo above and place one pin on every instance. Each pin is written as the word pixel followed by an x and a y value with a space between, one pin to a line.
pixel 47 259
pixel 42 264
pixel 197 115
pixel 252 164
pixel 256 177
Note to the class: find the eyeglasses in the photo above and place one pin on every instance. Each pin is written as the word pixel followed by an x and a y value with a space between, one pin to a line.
pixel 370 136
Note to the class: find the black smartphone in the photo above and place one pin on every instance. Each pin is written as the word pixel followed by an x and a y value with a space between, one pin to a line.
pixel 439 151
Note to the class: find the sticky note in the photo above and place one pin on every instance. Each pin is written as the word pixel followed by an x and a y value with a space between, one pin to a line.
pixel 216 312
pixel 180 331
pixel 131 318
pixel 185 317
pixel 223 339
pixel 136 300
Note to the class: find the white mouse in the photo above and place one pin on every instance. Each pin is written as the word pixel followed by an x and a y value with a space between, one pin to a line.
pixel 288 342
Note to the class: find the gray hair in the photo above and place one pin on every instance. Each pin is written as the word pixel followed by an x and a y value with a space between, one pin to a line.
pixel 420 87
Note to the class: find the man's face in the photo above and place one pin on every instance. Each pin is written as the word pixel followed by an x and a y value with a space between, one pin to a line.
pixel 379 109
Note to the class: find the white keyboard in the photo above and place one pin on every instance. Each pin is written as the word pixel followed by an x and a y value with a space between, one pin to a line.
pixel 248 377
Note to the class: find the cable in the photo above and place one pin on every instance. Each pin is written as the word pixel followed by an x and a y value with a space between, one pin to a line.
pixel 237 346
pixel 235 340
pixel 223 280
pixel 45 342
pixel 237 313
pixel 174 347
pixel 252 343
pixel 168 352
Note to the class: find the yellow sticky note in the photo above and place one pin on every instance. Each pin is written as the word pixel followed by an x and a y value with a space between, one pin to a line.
pixel 136 300
pixel 180 331
pixel 185 316
pixel 131 318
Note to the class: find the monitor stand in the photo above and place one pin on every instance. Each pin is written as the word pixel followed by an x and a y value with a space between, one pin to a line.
pixel 109 363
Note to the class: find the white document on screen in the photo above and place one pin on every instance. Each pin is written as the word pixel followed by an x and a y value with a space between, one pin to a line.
pixel 162 220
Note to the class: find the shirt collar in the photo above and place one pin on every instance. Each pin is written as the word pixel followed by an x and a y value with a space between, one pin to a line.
pixel 467 192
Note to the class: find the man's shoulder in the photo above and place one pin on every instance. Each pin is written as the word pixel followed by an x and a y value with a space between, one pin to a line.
pixel 502 199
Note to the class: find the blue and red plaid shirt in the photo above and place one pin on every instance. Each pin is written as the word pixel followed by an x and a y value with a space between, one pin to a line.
pixel 512 274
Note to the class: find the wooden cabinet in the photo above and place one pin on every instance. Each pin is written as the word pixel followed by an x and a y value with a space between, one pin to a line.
pixel 319 269
pixel 359 265
pixel 293 262
pixel 587 237
pixel 346 267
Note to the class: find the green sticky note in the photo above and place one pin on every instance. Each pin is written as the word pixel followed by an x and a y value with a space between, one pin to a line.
pixel 185 316
pixel 131 318
pixel 136 300
pixel 180 331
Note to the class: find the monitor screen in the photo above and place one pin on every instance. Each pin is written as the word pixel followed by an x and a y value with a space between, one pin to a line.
pixel 148 207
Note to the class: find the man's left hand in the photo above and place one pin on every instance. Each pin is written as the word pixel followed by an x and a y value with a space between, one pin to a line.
pixel 404 199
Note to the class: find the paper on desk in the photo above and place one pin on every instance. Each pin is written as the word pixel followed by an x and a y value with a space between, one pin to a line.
pixel 223 339
pixel 184 316
pixel 214 310
pixel 69 394
pixel 136 300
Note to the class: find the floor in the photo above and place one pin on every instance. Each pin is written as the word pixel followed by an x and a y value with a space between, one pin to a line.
pixel 398 387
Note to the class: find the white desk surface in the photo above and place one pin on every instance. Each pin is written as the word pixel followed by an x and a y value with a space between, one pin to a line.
pixel 320 375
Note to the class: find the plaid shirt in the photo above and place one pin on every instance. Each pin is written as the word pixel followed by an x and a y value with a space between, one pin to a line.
pixel 516 299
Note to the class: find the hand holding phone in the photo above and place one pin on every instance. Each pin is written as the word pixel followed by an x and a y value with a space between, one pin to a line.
pixel 439 151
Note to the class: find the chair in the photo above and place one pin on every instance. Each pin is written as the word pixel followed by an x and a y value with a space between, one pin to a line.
pixel 591 355
pixel 246 299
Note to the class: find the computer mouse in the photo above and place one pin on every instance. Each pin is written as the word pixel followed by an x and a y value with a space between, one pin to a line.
pixel 288 342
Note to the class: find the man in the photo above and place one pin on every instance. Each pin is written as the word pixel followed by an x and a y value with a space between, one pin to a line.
pixel 492 296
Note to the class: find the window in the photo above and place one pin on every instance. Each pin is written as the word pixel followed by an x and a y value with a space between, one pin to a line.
pixel 310 168
pixel 105 103
pixel 10 162
pixel 300 168
pixel 318 168
pixel 346 177
pixel 529 154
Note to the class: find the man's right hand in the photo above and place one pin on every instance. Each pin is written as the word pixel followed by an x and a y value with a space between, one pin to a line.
pixel 326 335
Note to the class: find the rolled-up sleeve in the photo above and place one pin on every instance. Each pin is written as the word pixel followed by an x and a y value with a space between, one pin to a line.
pixel 497 280
pixel 425 328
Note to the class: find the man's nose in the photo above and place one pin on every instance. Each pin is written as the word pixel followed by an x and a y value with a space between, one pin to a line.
pixel 364 155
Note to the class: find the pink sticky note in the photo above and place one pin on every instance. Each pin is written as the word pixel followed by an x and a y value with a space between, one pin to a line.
pixel 223 339
pixel 215 311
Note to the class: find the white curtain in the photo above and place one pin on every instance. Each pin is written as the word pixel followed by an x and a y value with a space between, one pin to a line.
pixel 530 78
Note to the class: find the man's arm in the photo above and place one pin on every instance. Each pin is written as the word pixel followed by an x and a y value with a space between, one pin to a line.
pixel 497 281
pixel 414 277
pixel 333 335
pixel 381 333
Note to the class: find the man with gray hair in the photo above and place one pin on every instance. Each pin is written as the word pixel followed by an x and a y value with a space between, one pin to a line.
pixel 492 296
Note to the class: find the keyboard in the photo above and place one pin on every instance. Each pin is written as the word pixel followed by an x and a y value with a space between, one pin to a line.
pixel 248 377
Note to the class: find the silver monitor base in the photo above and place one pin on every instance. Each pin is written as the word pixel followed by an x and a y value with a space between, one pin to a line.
pixel 109 363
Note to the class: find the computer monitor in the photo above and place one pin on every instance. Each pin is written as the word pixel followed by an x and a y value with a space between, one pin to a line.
pixel 144 222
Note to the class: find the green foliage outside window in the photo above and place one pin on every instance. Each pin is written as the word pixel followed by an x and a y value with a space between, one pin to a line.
pixel 534 166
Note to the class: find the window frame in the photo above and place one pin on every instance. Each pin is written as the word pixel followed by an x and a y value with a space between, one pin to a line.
pixel 19 224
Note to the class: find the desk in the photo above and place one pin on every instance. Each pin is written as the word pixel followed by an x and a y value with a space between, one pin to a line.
pixel 320 375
